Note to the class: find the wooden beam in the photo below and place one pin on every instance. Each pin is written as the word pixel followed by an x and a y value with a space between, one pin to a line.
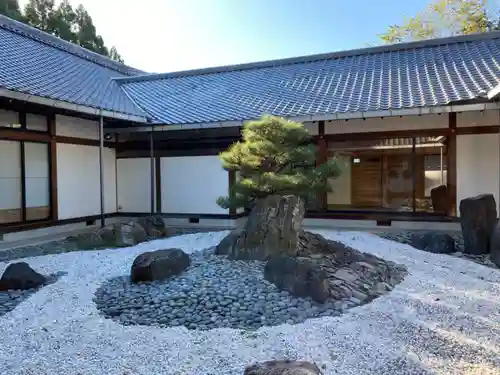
pixel 83 141
pixel 367 136
pixel 23 135
pixel 492 129
pixel 51 125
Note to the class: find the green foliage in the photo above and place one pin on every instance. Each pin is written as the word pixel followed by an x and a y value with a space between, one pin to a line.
pixel 11 9
pixel 443 18
pixel 74 25
pixel 276 156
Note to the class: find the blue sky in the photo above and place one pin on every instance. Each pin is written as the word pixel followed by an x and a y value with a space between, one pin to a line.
pixel 171 35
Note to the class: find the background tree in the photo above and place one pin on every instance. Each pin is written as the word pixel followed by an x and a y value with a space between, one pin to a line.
pixel 74 25
pixel 11 9
pixel 276 161
pixel 444 18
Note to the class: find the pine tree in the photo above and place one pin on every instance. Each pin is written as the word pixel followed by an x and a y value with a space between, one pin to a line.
pixel 276 161
pixel 275 157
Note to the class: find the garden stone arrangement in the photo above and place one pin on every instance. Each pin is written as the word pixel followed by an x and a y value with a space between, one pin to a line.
pixel 270 272
pixel 18 282
pixel 208 291
pixel 478 240
pixel 122 234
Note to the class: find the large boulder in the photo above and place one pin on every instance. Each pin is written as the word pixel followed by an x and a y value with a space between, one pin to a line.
pixel 478 216
pixel 495 246
pixel 159 265
pixel 154 226
pixel 283 367
pixel 299 277
pixel 21 276
pixel 95 239
pixel 116 235
pixel 432 242
pixel 272 228
pixel 441 201
pixel 225 247
pixel 129 233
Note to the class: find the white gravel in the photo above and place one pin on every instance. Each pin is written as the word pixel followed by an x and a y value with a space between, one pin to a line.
pixel 443 319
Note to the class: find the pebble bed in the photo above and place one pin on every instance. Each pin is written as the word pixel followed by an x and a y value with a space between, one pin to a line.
pixel 405 238
pixel 10 299
pixel 212 293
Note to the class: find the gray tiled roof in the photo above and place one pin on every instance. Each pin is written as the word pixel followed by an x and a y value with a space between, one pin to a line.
pixel 422 74
pixel 36 63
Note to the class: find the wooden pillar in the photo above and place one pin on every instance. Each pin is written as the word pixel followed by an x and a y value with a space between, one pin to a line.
pixel 451 161
pixel 51 125
pixel 321 158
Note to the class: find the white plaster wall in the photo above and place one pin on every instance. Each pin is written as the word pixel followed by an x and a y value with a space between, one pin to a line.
pixel 78 188
pixel 36 122
pixel 134 186
pixel 191 184
pixel 8 118
pixel 386 124
pixel 478 166
pixel 312 127
pixel 76 127
pixel 10 175
pixel 478 118
pixel 37 174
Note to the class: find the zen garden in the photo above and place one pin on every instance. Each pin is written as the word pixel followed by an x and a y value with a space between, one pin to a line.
pixel 271 297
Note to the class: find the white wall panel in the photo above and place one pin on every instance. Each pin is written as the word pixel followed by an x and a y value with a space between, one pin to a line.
pixel 37 174
pixel 478 166
pixel 10 175
pixel 9 119
pixel 191 184
pixel 110 197
pixel 76 127
pixel 78 188
pixel 36 122
pixel 386 124
pixel 134 186
pixel 478 118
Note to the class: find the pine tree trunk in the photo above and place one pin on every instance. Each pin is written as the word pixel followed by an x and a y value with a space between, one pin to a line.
pixel 272 228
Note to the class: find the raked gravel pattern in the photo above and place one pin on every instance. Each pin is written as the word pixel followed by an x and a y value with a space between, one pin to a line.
pixel 444 318
pixel 9 299
pixel 213 292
